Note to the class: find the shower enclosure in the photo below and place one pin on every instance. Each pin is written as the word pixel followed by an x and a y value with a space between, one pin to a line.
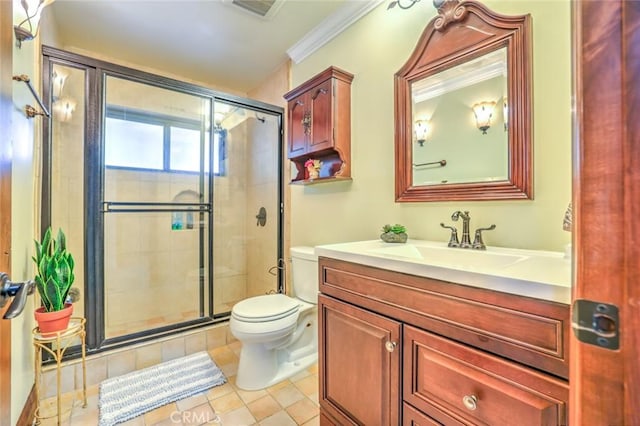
pixel 170 195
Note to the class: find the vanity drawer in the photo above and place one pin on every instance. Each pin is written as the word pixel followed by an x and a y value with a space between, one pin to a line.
pixel 444 380
pixel 413 417
pixel 530 331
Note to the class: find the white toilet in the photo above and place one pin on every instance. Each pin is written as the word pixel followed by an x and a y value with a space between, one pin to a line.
pixel 279 334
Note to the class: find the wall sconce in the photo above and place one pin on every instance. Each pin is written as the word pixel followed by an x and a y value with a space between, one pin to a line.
pixel 28 28
pixel 483 112
pixel 505 113
pixel 422 129
pixel 63 109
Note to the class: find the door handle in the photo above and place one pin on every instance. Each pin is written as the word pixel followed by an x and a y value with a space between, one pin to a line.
pixel 19 291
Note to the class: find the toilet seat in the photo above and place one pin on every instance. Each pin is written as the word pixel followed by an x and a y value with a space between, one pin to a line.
pixel 266 308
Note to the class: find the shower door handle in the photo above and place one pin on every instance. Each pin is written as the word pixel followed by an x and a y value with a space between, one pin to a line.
pixel 262 217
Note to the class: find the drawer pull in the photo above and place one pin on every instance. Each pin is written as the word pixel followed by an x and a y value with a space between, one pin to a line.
pixel 471 402
pixel 390 346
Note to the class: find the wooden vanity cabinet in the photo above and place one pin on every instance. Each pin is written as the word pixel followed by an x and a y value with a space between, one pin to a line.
pixel 401 349
pixel 319 124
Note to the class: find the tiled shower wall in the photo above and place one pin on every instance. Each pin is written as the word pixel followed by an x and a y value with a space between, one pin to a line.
pixel 174 252
pixel 262 191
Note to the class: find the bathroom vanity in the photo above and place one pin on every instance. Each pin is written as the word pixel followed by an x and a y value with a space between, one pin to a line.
pixel 420 333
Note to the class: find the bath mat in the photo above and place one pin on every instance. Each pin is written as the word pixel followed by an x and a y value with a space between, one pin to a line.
pixel 130 395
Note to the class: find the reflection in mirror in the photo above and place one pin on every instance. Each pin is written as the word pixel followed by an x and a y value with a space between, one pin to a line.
pixel 456 120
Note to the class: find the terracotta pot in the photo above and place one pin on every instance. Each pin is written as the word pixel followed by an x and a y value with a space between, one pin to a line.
pixel 51 322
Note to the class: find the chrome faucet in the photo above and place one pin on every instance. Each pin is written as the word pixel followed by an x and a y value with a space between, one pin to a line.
pixel 465 242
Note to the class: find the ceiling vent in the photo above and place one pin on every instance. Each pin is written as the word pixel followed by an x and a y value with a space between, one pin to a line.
pixel 263 8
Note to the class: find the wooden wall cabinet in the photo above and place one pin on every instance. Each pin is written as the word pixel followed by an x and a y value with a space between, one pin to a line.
pixel 397 349
pixel 319 125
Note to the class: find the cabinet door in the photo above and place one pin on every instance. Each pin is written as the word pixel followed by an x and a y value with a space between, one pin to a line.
pixel 299 132
pixel 321 100
pixel 359 365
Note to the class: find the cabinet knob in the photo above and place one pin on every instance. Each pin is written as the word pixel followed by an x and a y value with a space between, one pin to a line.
pixel 471 402
pixel 390 346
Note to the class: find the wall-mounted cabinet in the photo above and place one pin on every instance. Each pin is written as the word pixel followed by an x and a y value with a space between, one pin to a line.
pixel 319 126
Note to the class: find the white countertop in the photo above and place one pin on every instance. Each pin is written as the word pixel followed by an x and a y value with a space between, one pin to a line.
pixel 539 274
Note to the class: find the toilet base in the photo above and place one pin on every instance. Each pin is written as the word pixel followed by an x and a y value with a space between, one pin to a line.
pixel 262 364
pixel 256 375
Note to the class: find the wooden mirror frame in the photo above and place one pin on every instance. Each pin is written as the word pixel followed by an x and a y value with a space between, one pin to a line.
pixel 465 30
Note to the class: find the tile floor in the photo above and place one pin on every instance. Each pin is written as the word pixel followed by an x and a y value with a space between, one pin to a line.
pixel 289 403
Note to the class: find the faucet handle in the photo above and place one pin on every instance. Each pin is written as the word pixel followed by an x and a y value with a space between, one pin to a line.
pixel 478 244
pixel 453 240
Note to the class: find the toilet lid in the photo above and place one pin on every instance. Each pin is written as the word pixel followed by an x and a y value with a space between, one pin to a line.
pixel 269 307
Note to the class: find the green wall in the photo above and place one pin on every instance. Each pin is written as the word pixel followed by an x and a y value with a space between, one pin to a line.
pixel 373 50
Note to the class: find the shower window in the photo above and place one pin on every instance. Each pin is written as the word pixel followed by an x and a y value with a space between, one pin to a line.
pixel 144 140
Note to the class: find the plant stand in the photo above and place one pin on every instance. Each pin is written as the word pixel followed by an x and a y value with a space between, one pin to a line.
pixel 56 344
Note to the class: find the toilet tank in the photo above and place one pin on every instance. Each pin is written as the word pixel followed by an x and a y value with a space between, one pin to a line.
pixel 304 274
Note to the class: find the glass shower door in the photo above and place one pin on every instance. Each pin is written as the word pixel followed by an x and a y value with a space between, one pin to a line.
pixel 247 196
pixel 156 207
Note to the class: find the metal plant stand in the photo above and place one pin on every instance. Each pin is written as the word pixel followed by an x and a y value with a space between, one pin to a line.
pixel 56 344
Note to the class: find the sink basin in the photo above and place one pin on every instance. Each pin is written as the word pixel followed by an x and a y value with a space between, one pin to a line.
pixel 533 273
pixel 446 256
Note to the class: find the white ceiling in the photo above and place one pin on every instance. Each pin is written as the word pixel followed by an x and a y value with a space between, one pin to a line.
pixel 210 41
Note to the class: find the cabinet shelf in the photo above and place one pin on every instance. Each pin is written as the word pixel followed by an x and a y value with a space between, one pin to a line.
pixel 306 182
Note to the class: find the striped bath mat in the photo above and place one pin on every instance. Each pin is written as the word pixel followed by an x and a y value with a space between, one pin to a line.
pixel 125 397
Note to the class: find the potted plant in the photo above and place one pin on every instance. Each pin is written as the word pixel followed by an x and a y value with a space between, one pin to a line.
pixel 394 233
pixel 54 276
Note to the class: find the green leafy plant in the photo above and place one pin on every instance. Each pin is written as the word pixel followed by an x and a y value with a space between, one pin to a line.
pixel 54 274
pixel 396 229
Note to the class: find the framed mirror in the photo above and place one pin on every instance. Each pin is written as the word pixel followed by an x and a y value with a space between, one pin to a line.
pixel 463 116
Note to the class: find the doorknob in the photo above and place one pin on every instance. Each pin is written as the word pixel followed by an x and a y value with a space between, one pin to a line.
pixel 18 290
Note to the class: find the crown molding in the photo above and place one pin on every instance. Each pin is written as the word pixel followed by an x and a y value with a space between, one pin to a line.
pixel 333 25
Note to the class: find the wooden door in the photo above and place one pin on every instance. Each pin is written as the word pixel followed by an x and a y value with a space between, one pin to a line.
pixel 359 365
pixel 298 132
pixel 321 99
pixel 6 65
pixel 605 384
